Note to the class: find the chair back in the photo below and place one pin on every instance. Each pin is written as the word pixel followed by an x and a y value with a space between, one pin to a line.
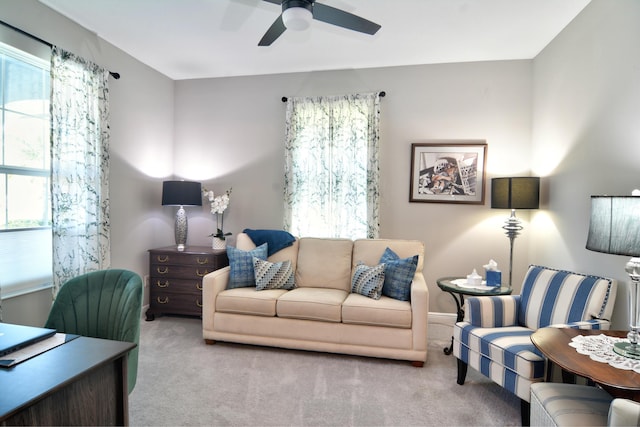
pixel 556 297
pixel 101 304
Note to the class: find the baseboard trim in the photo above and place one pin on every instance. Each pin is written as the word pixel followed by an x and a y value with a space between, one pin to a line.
pixel 440 326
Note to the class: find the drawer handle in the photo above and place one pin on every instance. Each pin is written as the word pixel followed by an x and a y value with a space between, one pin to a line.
pixel 163 258
pixel 164 284
pixel 199 286
pixel 164 300
pixel 198 303
pixel 202 261
pixel 201 274
pixel 162 270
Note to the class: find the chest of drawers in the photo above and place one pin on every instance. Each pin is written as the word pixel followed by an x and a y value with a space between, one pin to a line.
pixel 175 278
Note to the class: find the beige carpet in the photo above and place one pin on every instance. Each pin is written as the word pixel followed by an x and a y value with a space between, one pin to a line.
pixel 182 381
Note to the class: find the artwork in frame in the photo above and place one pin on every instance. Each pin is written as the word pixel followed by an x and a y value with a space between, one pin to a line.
pixel 448 172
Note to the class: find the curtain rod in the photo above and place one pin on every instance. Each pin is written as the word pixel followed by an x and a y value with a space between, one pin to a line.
pixel 38 39
pixel 382 94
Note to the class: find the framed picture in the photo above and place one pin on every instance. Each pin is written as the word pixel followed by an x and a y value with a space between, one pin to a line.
pixel 448 172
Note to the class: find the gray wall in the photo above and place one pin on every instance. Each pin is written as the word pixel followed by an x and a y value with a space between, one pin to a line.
pixel 586 133
pixel 569 116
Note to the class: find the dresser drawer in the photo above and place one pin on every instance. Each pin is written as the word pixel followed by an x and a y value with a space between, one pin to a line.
pixel 180 271
pixel 185 259
pixel 169 302
pixel 166 284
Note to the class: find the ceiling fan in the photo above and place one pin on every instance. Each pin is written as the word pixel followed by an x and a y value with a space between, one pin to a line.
pixel 297 15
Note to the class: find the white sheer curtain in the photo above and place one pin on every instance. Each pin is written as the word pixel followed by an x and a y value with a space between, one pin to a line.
pixel 79 166
pixel 331 166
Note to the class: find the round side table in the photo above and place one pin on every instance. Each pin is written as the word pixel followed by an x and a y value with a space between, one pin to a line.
pixel 457 292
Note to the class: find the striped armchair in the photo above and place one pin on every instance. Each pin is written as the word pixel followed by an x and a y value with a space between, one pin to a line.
pixel 494 337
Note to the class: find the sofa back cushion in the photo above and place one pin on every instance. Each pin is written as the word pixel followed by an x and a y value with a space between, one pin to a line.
pixel 324 263
pixel 369 251
pixel 552 296
pixel 244 242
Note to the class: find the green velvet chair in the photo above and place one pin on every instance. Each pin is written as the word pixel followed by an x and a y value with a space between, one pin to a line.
pixel 101 304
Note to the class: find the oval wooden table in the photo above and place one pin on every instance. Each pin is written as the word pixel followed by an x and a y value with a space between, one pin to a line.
pixel 554 344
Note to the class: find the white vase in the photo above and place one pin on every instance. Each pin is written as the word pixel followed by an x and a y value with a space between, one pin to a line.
pixel 218 244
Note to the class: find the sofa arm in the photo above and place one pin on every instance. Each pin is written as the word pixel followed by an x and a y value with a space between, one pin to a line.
pixel 419 312
pixel 212 284
pixel 492 311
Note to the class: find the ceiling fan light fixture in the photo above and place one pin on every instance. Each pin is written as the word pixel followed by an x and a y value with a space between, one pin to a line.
pixel 297 18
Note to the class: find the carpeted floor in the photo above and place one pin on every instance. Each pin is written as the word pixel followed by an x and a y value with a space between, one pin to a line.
pixel 182 381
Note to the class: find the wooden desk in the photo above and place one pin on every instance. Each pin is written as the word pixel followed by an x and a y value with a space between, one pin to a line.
pixel 554 344
pixel 81 382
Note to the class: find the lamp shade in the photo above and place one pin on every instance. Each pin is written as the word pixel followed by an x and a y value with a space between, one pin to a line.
pixel 297 15
pixel 515 193
pixel 181 193
pixel 614 227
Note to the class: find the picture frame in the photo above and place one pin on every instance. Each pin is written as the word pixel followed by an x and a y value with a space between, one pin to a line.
pixel 448 172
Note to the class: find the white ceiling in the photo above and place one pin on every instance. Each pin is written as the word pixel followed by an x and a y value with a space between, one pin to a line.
pixel 187 39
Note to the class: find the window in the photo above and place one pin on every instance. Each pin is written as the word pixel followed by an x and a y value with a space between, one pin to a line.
pixel 331 161
pixel 25 202
pixel 24 141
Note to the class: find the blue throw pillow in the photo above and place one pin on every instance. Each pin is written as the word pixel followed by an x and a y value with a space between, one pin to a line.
pixel 241 274
pixel 398 275
pixel 367 280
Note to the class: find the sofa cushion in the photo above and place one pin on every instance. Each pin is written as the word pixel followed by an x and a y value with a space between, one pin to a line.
pixel 249 301
pixel 312 303
pixel 270 275
pixel 324 263
pixel 386 311
pixel 398 275
pixel 368 281
pixel 241 272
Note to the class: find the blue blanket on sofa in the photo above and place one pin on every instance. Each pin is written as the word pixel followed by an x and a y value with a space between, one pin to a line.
pixel 275 239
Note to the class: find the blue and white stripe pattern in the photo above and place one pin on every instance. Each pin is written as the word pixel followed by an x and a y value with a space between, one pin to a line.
pixel 494 337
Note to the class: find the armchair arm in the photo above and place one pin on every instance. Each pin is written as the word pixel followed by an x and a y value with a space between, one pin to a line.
pixel 585 324
pixel 624 412
pixel 492 311
pixel 212 284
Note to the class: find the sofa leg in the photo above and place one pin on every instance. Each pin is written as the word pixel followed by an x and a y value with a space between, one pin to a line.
pixel 209 342
pixel 462 371
pixel 525 412
pixel 417 363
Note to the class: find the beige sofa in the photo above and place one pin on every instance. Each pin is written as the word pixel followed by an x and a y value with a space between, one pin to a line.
pixel 321 313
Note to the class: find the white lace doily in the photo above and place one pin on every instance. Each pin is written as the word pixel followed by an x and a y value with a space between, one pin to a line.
pixel 600 349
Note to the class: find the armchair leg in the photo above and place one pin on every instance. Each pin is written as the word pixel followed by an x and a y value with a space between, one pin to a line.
pixel 462 371
pixel 525 412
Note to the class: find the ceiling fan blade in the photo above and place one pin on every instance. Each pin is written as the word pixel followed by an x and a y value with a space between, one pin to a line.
pixel 275 30
pixel 273 1
pixel 338 17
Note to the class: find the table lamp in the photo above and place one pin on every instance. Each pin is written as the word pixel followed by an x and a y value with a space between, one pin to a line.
pixel 181 193
pixel 514 193
pixel 614 228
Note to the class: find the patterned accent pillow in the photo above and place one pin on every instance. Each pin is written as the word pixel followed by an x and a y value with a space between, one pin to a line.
pixel 398 275
pixel 367 280
pixel 269 275
pixel 241 273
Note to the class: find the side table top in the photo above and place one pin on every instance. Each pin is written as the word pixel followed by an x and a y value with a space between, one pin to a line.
pixel 447 285
pixel 554 344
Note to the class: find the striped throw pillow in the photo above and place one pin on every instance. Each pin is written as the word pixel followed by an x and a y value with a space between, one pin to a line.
pixel 367 280
pixel 270 275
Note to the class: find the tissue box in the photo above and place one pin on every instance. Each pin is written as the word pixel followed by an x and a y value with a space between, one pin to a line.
pixel 494 278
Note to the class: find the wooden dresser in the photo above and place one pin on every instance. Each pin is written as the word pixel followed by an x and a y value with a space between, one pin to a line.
pixel 175 278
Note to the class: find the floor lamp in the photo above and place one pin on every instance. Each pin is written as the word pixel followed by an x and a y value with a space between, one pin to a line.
pixel 614 228
pixel 514 193
pixel 181 193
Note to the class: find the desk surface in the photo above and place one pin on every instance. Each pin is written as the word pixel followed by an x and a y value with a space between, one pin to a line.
pixel 32 379
pixel 554 344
